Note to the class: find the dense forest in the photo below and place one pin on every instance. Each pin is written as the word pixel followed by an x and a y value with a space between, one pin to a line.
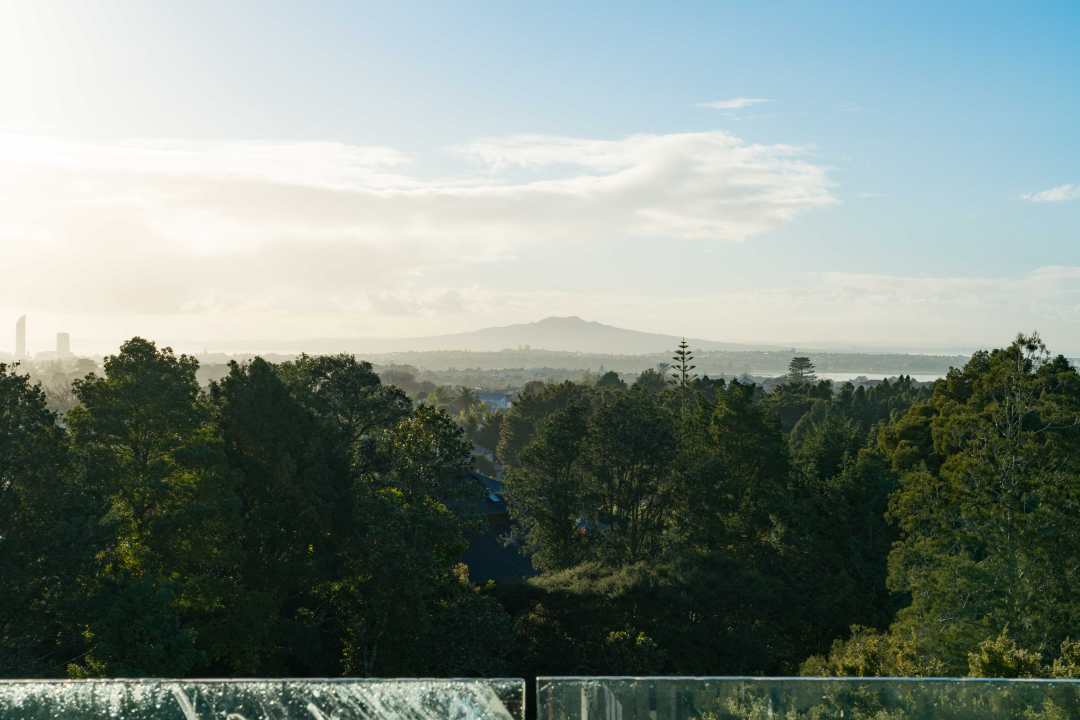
pixel 307 518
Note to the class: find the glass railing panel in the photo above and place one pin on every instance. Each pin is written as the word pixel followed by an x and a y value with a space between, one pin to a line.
pixel 806 699
pixel 344 699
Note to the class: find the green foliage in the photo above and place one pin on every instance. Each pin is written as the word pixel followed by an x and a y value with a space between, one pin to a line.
pixel 682 368
pixel 467 636
pixel 46 525
pixel 651 381
pixel 485 429
pixel 988 511
pixel 307 519
pixel 345 392
pixel 424 455
pixel 535 402
pixel 629 452
pixel 1067 663
pixel 1001 657
pixel 144 440
pixel 596 479
pixel 394 569
pixel 610 380
pixel 684 508
pixel 792 401
pixel 985 507
pixel 871 653
pixel 801 371
pixel 299 519
pixel 291 485
pixel 547 489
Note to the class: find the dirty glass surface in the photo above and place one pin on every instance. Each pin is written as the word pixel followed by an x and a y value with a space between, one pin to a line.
pixel 344 699
pixel 805 699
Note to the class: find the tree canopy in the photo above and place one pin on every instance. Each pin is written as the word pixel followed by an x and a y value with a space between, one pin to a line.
pixel 306 518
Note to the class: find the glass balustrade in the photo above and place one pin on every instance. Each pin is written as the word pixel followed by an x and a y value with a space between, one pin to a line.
pixel 345 699
pixel 707 698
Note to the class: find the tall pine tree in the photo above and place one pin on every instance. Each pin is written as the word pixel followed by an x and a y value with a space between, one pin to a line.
pixel 682 371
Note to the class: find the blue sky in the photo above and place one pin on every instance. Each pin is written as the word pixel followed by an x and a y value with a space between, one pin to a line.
pixel 897 158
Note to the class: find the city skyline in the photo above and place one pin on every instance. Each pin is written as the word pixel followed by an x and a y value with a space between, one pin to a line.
pixel 20 338
pixel 23 347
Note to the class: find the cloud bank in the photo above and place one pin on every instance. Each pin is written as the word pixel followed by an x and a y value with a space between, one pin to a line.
pixel 273 231
pixel 221 241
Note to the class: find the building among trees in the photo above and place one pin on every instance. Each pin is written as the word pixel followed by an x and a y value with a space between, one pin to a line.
pixel 20 338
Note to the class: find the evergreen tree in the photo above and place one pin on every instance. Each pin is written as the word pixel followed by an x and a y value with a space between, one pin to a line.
pixel 801 371
pixel 546 491
pixel 988 553
pixel 48 535
pixel 682 369
pixel 652 381
pixel 611 381
pixel 145 441
pixel 294 491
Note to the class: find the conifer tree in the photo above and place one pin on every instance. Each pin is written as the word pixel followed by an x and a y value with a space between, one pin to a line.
pixel 801 371
pixel 682 371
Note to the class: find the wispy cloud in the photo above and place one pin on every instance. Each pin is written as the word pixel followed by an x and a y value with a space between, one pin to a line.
pixel 260 232
pixel 1061 193
pixel 738 103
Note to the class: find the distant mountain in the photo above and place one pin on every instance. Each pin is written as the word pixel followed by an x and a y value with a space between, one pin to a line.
pixel 563 334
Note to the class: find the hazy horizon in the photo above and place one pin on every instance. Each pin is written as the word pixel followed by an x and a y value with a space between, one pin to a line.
pixel 208 175
pixel 468 341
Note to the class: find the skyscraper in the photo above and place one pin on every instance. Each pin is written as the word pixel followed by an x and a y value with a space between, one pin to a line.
pixel 20 338
pixel 63 344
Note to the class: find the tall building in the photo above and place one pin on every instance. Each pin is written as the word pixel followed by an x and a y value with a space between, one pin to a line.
pixel 63 344
pixel 20 338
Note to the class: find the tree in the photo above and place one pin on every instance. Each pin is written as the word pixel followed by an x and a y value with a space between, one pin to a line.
pixel 486 429
pixel 292 480
pixel 398 556
pixel 610 380
pixel 469 634
pixel 535 402
pixel 546 491
pixel 467 401
pixel 824 441
pixel 595 618
pixel 651 381
pixel 395 565
pixel 345 392
pixel 629 455
pixel 1001 657
pixel 143 436
pixel 426 456
pixel 743 481
pixel 986 511
pixel 997 517
pixel 682 369
pixel 47 535
pixel 801 371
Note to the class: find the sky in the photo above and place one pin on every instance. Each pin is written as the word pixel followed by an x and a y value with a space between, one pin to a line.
pixel 845 175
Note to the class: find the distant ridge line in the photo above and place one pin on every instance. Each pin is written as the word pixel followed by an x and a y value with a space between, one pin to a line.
pixel 556 333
